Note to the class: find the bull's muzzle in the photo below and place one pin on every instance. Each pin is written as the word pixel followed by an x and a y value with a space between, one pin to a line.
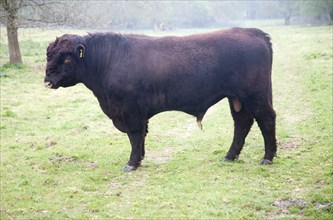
pixel 48 85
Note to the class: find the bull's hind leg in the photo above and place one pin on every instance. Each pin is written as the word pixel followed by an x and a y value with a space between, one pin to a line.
pixel 265 116
pixel 243 121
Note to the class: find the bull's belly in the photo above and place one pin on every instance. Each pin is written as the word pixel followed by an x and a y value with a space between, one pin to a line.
pixel 193 106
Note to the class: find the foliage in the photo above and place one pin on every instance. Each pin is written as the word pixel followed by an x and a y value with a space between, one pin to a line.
pixel 317 8
pixel 62 158
pixel 37 13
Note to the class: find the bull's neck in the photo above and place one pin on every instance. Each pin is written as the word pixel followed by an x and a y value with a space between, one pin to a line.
pixel 101 51
pixel 92 81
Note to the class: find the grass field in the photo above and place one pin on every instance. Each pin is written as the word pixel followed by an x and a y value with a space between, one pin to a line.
pixel 61 157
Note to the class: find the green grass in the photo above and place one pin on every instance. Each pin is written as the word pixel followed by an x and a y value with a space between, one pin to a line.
pixel 61 157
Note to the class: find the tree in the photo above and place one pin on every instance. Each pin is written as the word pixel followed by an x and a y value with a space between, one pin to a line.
pixel 11 8
pixel 287 8
pixel 319 9
pixel 28 13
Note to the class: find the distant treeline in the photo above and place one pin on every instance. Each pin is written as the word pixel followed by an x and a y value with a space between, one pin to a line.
pixel 166 15
pixel 157 15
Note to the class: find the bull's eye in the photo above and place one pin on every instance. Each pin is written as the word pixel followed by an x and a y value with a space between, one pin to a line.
pixel 67 60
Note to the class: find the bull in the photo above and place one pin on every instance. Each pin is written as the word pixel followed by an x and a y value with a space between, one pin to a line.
pixel 135 77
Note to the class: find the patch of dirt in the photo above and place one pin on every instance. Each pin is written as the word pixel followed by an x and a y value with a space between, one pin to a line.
pixel 291 143
pixel 114 185
pixel 325 206
pixel 160 156
pixel 62 159
pixel 58 159
pixel 299 115
pixel 121 185
pixel 285 204
pixel 127 182
pixel 80 129
pixel 50 142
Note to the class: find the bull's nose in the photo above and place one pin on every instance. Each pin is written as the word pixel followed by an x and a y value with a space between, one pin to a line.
pixel 48 85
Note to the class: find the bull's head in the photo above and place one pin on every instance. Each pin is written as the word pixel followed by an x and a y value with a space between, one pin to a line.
pixel 64 61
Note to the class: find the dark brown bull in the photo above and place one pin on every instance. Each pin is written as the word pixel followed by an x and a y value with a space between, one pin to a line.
pixel 135 77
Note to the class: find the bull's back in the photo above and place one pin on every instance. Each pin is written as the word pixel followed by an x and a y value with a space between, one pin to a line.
pixel 209 65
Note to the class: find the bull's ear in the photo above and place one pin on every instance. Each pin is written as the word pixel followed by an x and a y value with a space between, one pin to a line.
pixel 80 51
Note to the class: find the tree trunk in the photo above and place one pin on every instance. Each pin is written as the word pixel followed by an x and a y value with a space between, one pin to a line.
pixel 11 8
pixel 329 6
pixel 13 45
pixel 287 20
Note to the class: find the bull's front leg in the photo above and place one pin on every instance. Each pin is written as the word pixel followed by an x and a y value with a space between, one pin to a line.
pixel 137 141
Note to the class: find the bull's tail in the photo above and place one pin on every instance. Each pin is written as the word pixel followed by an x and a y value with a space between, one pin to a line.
pixel 259 33
pixel 269 44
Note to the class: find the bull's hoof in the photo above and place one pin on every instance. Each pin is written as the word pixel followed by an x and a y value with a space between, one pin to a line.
pixel 266 162
pixel 227 160
pixel 129 168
